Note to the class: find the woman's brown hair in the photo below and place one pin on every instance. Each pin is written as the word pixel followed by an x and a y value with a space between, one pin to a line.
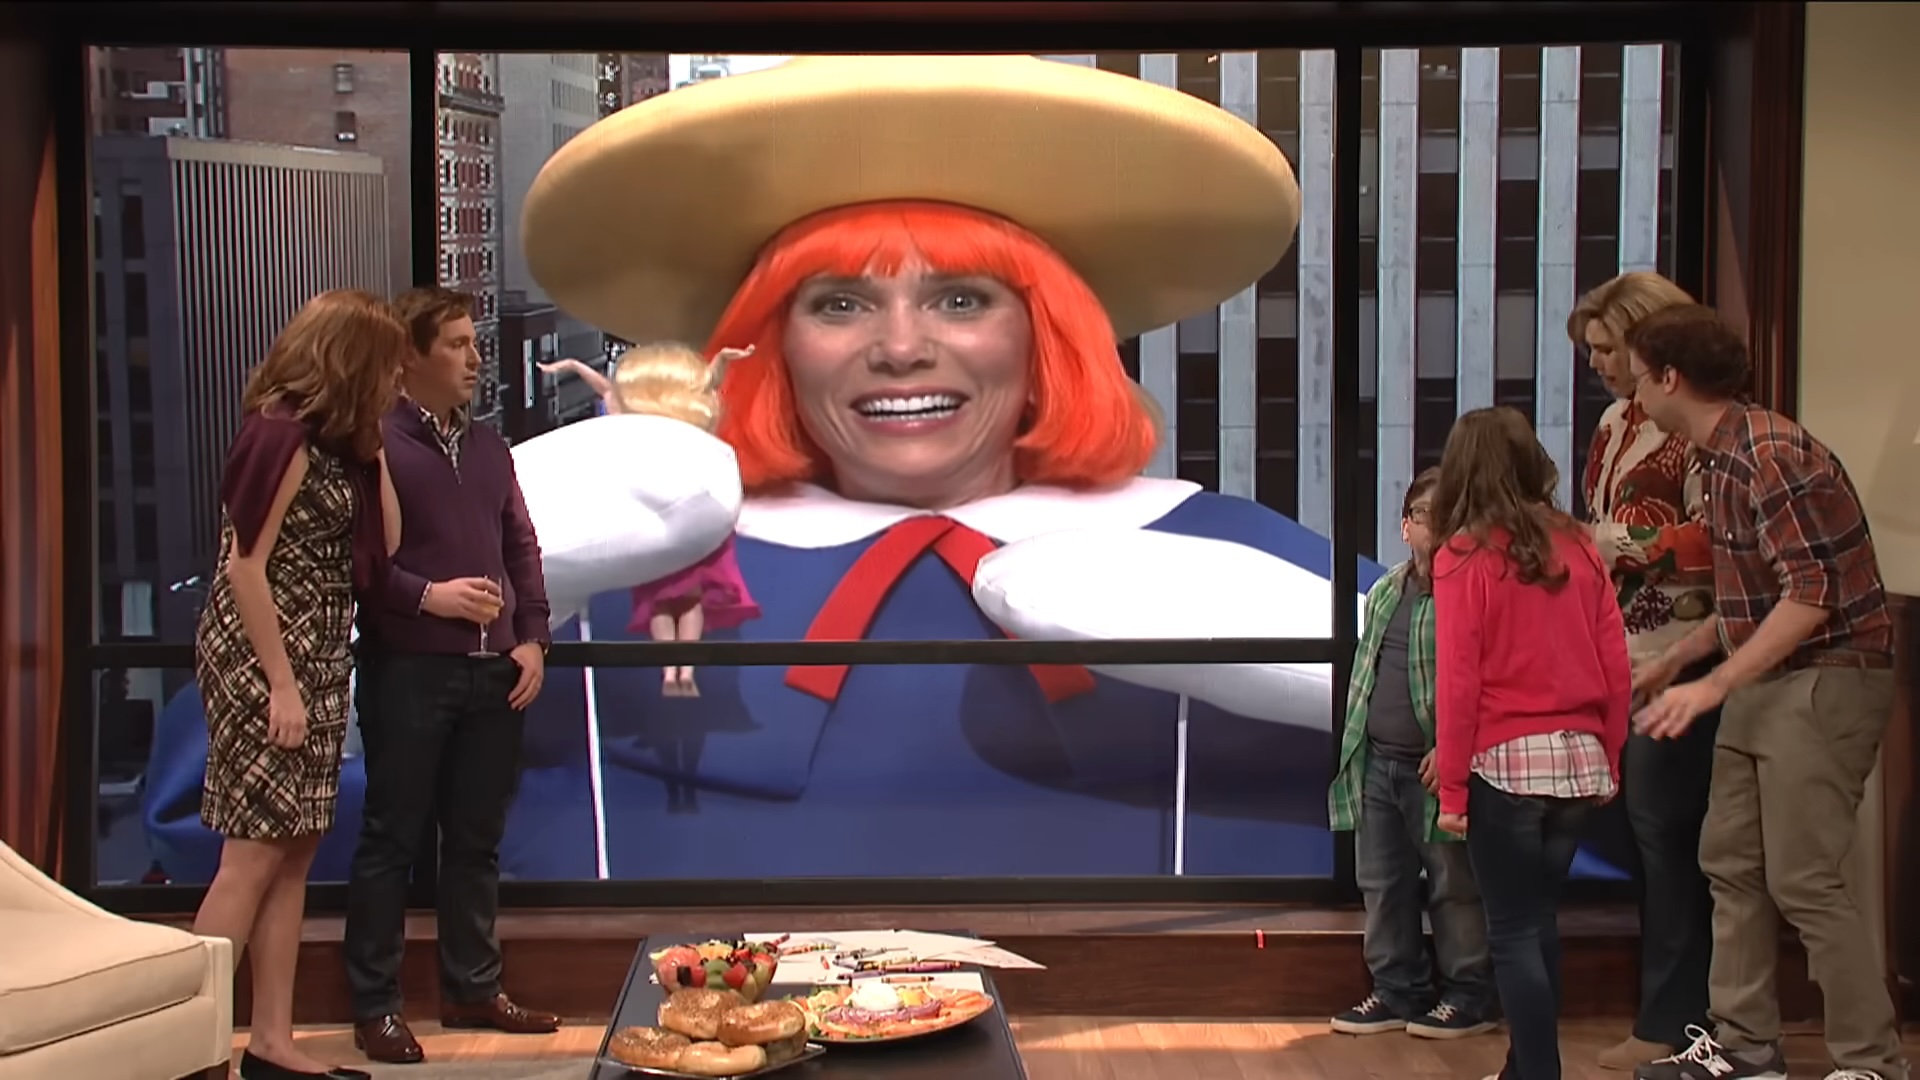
pixel 1496 475
pixel 335 367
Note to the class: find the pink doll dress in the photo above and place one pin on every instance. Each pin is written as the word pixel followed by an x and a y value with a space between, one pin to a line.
pixel 714 582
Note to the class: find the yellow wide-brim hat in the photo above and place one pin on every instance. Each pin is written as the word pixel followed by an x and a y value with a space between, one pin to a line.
pixel 645 224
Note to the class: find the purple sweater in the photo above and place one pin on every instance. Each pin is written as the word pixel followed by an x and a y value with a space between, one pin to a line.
pixel 469 522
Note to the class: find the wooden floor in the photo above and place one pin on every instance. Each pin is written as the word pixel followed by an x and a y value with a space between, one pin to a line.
pixel 1264 960
pixel 1091 1048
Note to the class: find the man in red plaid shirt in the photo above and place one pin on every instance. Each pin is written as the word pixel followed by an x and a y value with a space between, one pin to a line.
pixel 1807 684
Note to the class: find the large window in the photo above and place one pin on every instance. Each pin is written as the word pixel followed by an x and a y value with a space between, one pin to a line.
pixel 1494 184
pixel 1497 185
pixel 621 784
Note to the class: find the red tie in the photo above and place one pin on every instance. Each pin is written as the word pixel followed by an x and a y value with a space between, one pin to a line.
pixel 849 612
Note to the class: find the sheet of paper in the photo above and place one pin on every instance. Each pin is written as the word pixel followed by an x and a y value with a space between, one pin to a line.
pixel 899 946
pixel 992 956
pixel 917 943
pixel 960 980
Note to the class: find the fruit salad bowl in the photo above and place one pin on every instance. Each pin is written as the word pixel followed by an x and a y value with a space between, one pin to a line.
pixel 745 967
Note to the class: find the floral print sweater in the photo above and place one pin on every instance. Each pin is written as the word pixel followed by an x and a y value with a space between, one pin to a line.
pixel 1643 489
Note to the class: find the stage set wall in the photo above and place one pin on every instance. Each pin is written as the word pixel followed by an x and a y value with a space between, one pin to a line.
pixel 1859 385
pixel 1818 263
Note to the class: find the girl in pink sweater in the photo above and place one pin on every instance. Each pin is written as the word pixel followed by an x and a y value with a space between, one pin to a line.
pixel 1533 688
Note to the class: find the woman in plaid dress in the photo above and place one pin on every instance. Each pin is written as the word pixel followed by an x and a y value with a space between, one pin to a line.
pixel 308 521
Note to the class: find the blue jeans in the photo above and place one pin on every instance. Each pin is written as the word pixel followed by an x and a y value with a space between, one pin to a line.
pixel 1522 848
pixel 1390 851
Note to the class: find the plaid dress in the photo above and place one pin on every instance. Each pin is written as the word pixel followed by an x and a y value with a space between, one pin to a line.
pixel 253 789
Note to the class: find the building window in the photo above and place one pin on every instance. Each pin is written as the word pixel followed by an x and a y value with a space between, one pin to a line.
pixel 133 227
pixel 136 288
pixel 346 126
pixel 146 534
pixel 343 78
pixel 143 453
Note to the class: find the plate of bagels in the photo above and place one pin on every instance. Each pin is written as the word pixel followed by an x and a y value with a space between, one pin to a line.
pixel 710 1032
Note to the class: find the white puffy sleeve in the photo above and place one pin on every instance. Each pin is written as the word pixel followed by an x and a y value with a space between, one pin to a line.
pixel 621 500
pixel 1115 584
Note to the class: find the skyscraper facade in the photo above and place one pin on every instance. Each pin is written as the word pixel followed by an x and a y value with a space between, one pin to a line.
pixel 205 249
pixel 471 257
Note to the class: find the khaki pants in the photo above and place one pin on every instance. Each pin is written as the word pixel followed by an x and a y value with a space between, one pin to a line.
pixel 1788 772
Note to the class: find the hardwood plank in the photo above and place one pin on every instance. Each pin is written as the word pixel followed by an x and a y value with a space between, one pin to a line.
pixel 1126 1048
pixel 1199 961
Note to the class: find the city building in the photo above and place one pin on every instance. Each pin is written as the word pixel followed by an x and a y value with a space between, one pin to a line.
pixel 642 75
pixel 1497 184
pixel 203 250
pixel 529 336
pixel 337 100
pixel 472 225
pixel 151 90
pixel 550 98
pixel 702 67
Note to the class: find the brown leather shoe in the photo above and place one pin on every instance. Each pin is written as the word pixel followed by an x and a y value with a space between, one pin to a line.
pixel 387 1039
pixel 1632 1053
pixel 500 1014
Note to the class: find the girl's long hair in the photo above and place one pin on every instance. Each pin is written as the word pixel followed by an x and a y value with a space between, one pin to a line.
pixel 1496 478
pixel 1089 427
pixel 336 368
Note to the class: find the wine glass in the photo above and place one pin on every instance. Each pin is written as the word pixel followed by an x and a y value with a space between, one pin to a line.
pixel 483 650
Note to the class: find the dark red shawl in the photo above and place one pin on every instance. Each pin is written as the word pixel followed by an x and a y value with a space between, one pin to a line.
pixel 256 463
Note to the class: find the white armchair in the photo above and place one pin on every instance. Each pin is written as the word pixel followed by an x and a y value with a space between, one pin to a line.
pixel 86 993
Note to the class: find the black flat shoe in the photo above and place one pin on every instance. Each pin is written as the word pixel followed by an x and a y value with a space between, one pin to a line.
pixel 259 1068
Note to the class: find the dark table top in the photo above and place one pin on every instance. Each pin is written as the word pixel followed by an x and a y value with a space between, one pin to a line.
pixel 980 1050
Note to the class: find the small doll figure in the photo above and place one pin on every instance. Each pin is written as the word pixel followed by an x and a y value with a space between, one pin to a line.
pixel 598 383
pixel 675 381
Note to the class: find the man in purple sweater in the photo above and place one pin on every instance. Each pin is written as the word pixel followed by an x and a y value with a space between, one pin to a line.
pixel 447 666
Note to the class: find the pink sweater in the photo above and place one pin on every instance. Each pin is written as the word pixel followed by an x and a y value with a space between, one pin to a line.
pixel 1515 660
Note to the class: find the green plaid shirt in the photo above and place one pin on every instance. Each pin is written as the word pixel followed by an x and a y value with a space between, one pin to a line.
pixel 1343 800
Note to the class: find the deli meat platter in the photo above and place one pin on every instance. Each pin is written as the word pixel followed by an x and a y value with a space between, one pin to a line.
pixel 808 1053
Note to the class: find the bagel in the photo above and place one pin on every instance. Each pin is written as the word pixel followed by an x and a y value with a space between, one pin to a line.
pixel 648 1048
pixel 712 1059
pixel 786 1049
pixel 696 1013
pixel 758 1025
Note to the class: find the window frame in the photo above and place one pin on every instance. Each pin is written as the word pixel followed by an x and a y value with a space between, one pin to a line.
pixel 796 27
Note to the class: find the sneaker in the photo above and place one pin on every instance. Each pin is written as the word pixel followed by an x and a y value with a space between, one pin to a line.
pixel 1370 1017
pixel 1706 1059
pixel 1855 1074
pixel 1631 1051
pixel 1448 1021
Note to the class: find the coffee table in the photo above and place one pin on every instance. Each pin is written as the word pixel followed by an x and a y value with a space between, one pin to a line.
pixel 980 1050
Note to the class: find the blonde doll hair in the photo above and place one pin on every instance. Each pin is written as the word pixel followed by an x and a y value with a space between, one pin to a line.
pixel 668 379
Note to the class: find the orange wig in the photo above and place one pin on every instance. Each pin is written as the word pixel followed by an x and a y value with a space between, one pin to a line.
pixel 1089 427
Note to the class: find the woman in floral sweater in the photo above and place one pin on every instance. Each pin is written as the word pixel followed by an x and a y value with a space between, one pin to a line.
pixel 1643 498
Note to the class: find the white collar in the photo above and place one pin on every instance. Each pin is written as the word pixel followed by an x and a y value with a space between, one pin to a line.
pixel 813 517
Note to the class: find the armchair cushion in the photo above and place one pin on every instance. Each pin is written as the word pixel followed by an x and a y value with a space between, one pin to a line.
pixel 68 973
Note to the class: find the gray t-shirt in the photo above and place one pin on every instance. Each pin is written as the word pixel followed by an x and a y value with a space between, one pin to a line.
pixel 1391 726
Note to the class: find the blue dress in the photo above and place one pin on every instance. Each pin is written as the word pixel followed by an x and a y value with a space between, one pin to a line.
pixel 926 770
pixel 909 771
pixel 947 770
